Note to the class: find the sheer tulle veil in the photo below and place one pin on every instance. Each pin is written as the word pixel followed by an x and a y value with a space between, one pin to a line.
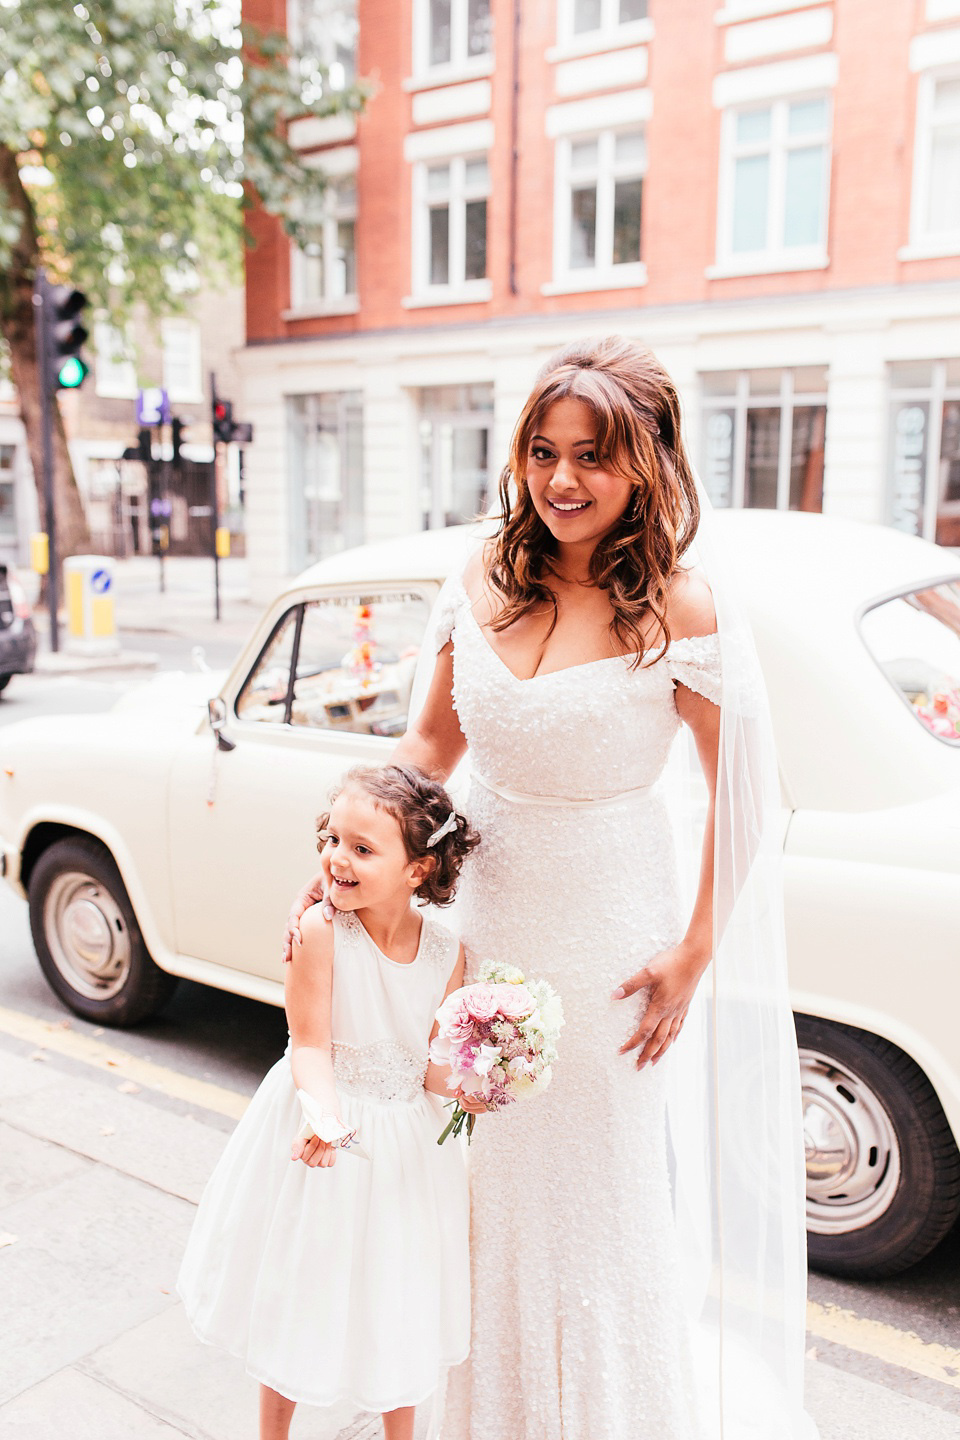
pixel 734 1112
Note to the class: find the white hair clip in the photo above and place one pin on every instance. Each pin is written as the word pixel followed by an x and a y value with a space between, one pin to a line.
pixel 449 824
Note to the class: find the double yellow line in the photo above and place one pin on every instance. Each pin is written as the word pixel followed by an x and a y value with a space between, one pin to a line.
pixel 824 1322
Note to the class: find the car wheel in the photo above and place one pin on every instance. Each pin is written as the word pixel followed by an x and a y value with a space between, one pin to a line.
pixel 4 682
pixel 883 1169
pixel 87 937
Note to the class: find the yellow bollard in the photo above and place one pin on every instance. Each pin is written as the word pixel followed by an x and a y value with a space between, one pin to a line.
pixel 222 542
pixel 40 553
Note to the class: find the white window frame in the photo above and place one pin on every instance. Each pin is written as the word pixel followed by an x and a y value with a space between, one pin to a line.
pixel 935 394
pixel 115 371
pixel 610 34
pixel 327 48
pixel 776 256
pixel 786 399
pixel 460 65
pixel 604 275
pixel 188 390
pixel 335 210
pixel 458 290
pixel 924 243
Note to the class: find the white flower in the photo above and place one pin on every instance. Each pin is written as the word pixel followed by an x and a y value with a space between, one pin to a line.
pixel 551 1014
pixel 486 1058
pixel 519 1065
pixel 440 1050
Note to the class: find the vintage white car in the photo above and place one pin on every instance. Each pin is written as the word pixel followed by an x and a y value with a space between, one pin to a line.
pixel 165 839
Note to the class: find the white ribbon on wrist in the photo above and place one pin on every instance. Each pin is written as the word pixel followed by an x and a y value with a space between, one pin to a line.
pixel 326 1127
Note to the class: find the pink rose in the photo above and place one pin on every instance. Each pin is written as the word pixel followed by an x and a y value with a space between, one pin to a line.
pixel 481 1001
pixel 514 1001
pixel 455 1021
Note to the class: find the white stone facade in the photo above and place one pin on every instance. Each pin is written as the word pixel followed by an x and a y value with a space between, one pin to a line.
pixel 856 336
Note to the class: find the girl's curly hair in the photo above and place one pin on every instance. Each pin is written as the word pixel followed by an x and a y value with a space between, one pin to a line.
pixel 637 412
pixel 420 805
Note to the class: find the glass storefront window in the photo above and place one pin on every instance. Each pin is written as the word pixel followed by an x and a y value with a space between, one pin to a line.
pixel 456 428
pixel 8 495
pixel 915 639
pixel 763 438
pixel 923 467
pixel 325 475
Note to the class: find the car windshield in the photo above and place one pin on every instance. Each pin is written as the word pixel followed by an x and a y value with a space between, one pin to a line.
pixel 915 639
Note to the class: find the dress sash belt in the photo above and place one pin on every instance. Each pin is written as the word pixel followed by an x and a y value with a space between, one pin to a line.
pixel 526 797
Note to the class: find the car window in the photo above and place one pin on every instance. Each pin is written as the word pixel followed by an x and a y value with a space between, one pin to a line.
pixel 915 639
pixel 264 693
pixel 355 658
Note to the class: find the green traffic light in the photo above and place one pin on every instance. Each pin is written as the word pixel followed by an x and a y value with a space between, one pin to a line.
pixel 72 373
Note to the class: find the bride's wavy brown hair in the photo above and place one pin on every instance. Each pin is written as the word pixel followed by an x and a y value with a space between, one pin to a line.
pixel 637 412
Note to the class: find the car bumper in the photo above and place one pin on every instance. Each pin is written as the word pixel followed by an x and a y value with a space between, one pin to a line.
pixel 18 648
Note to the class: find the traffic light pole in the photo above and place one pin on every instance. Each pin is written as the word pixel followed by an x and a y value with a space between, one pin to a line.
pixel 41 298
pixel 215 505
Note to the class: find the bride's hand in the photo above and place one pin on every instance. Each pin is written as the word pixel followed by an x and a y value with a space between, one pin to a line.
pixel 314 893
pixel 671 979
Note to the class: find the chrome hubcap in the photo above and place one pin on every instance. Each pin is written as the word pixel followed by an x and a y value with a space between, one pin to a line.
pixel 87 936
pixel 852 1154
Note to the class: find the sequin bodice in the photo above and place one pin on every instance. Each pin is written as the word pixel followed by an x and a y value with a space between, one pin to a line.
pixel 586 731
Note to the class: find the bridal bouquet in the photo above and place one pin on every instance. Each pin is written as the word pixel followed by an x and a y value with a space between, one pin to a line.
pixel 499 1038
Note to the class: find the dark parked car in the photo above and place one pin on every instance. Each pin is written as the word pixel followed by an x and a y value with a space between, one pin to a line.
pixel 18 639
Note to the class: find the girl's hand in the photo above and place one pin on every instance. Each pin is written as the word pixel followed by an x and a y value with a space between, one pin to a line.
pixel 473 1104
pixel 671 978
pixel 315 893
pixel 314 1152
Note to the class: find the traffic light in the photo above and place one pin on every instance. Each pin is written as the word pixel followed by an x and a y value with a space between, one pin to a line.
pixel 64 336
pixel 177 427
pixel 144 444
pixel 222 420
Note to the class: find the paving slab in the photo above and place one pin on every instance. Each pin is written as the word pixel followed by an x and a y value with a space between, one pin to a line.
pixel 96 1254
pixel 73 1406
pixel 31 1166
pixel 21 1076
pixel 176 1153
pixel 847 1407
pixel 201 1390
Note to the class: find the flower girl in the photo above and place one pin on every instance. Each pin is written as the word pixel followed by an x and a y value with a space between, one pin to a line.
pixel 343 1277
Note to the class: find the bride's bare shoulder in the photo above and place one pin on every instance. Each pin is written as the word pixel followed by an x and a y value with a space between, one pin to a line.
pixel 477 569
pixel 690 608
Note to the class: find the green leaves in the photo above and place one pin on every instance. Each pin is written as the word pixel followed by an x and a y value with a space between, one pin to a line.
pixel 141 129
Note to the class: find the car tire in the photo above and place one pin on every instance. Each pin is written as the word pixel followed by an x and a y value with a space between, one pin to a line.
pixel 87 938
pixel 883 1168
pixel 4 682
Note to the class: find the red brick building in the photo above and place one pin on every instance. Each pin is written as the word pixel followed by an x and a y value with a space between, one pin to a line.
pixel 768 194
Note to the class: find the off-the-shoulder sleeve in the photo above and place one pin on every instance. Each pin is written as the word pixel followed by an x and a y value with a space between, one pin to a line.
pixel 450 599
pixel 695 662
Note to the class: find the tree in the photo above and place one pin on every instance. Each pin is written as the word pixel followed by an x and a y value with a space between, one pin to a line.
pixel 132 135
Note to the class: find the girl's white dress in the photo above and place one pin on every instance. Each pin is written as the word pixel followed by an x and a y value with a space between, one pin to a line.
pixel 349 1283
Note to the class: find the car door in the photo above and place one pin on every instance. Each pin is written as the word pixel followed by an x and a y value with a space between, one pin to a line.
pixel 329 689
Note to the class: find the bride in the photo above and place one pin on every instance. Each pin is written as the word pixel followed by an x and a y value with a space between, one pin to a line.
pixel 637 1258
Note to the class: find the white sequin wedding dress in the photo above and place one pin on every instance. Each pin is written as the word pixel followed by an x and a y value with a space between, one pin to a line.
pixel 578 1330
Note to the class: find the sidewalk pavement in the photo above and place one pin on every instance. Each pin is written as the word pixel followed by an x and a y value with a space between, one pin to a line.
pixel 185 607
pixel 97 1193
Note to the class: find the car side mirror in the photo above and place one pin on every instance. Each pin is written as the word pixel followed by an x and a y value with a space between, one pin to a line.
pixel 217 714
